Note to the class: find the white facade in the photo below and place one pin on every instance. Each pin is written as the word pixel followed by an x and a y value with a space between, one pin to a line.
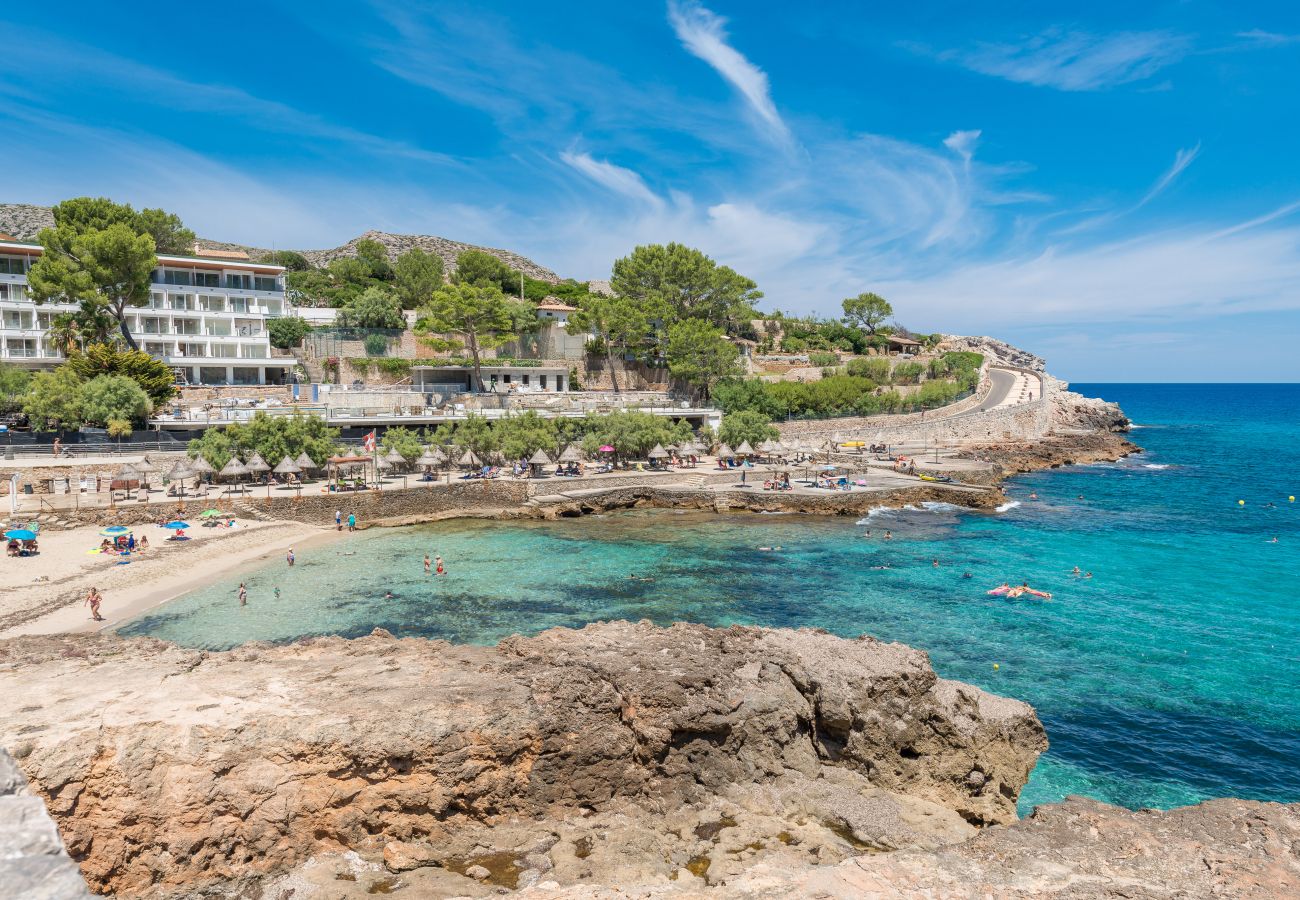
pixel 207 318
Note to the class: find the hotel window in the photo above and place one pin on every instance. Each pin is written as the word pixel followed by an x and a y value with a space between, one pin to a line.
pixel 13 265
pixel 207 279
pixel 238 282
pixel 239 304
pixel 263 283
pixel 172 276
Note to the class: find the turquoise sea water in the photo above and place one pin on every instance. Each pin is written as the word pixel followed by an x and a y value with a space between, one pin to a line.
pixel 1171 676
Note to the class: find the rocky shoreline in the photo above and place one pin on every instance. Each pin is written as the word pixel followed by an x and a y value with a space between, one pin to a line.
pixel 619 760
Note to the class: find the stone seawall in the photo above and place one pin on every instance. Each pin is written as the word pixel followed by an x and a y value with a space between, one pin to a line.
pixel 1021 422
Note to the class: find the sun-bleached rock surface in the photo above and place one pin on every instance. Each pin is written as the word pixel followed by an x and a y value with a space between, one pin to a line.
pixel 33 863
pixel 617 753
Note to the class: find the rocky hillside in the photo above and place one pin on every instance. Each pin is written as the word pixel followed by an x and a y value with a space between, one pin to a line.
pixel 616 754
pixel 24 221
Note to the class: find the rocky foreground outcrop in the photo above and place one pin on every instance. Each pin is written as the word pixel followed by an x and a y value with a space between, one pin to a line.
pixel 617 754
pixel 33 863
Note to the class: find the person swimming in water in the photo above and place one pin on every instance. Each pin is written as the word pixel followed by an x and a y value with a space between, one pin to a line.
pixel 440 569
pixel 388 595
pixel 1076 571
pixel 967 575
pixel 427 565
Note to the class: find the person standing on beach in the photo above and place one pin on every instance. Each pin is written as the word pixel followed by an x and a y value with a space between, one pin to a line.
pixel 352 521
pixel 289 557
pixel 243 594
pixel 338 519
pixel 58 446
pixel 426 564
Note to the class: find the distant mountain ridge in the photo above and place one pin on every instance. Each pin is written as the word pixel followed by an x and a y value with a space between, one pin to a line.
pixel 24 221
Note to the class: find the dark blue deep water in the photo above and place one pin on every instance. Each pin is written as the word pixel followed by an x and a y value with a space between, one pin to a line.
pixel 1172 675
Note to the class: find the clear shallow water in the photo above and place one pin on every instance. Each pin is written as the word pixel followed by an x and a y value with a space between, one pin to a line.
pixel 1171 676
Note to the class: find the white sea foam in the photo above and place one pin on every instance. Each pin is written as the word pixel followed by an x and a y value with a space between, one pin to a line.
pixel 1155 465
pixel 1008 506
pixel 940 506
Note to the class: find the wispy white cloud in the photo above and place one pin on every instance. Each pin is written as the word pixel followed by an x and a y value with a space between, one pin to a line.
pixel 1074 60
pixel 963 143
pixel 704 35
pixel 1182 159
pixel 1263 38
pixel 120 77
pixel 615 178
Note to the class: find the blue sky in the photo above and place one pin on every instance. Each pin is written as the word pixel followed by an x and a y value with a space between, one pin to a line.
pixel 1115 188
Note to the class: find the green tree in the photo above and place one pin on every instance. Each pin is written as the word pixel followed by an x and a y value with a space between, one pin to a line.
pixel 374 256
pixel 53 402
pixel 476 434
pixel 700 355
pixel 287 331
pixel 746 425
pixel 292 260
pixel 274 437
pixel 64 333
pixel 616 321
pixel 672 282
pixel 114 397
pixel 14 385
pixel 416 275
pixel 153 375
pixel 170 236
pixel 486 317
pixel 478 267
pixel 375 307
pixel 868 311
pixel 118 428
pixel 95 324
pixel 523 435
pixel 405 441
pixel 109 266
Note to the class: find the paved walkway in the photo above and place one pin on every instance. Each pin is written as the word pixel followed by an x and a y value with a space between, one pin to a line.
pixel 1011 388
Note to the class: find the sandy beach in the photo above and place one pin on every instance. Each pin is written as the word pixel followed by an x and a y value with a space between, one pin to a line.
pixel 44 594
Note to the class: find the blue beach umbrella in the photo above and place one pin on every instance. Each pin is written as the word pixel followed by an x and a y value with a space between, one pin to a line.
pixel 114 529
pixel 21 534
pixel 177 526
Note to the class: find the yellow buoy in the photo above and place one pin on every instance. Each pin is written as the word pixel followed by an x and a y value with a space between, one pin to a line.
pixel 1241 502
pixel 1291 499
pixel 995 665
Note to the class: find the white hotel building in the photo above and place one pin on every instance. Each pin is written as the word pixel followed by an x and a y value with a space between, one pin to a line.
pixel 206 316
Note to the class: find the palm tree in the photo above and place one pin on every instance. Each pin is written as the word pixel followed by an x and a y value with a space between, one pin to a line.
pixel 65 333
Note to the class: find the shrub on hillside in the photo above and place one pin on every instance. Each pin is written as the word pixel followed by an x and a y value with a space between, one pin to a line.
pixel 907 373
pixel 875 368
pixel 824 359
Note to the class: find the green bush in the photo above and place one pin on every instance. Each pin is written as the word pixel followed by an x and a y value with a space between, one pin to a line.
pixel 824 359
pixel 287 331
pixel 907 373
pixel 387 365
pixel 375 344
pixel 875 368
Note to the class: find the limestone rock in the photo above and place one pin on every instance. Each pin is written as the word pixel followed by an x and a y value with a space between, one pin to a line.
pixel 188 769
pixel 33 863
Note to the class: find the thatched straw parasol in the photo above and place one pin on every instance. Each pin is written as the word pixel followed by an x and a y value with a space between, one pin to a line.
pixel 724 450
pixel 179 472
pixel 128 472
pixel 201 466
pixel 305 462
pixel 287 466
pixel 744 449
pixel 470 459
pixel 394 457
pixel 658 452
pixel 255 463
pixel 233 469
pixel 539 459
pixel 571 454
pixel 428 459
